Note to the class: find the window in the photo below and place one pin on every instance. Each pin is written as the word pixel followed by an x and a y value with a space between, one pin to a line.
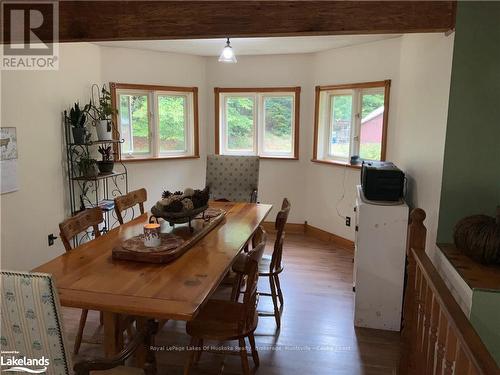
pixel 351 120
pixel 263 122
pixel 156 122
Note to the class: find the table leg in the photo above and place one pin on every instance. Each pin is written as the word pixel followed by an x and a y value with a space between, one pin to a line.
pixel 142 353
pixel 113 339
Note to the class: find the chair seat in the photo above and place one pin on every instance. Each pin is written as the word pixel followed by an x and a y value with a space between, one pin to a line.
pixel 120 370
pixel 218 320
pixel 264 265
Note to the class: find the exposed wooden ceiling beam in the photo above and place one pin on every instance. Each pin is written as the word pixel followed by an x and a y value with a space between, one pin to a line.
pixel 136 20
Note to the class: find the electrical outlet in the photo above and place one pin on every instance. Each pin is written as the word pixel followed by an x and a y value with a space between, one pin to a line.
pixel 51 238
pixel 348 221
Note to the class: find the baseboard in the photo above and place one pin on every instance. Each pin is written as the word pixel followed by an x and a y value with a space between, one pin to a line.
pixel 328 237
pixel 312 231
pixel 289 227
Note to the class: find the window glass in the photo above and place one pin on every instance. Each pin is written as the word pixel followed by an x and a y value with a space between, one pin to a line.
pixel 341 124
pixel 172 118
pixel 134 121
pixel 240 123
pixel 371 128
pixel 278 131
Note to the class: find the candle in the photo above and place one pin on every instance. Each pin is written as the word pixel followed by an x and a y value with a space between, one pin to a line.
pixel 152 235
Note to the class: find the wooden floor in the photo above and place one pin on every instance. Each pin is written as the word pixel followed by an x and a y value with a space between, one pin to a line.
pixel 317 334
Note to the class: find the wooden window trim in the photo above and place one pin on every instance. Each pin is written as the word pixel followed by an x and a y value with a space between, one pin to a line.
pixel 293 89
pixel 133 160
pixel 114 86
pixel 364 85
pixel 337 163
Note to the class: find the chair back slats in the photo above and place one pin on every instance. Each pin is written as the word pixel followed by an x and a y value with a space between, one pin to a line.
pixel 437 337
pixel 129 200
pixel 279 224
pixel 80 222
pixel 282 216
pixel 259 236
pixel 250 294
pixel 251 271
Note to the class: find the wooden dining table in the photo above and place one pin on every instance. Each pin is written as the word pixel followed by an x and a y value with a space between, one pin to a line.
pixel 87 277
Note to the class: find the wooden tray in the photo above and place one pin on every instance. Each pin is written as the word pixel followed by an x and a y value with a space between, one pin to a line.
pixel 173 244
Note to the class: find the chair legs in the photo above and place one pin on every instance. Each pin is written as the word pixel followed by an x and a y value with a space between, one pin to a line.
pixel 244 358
pixel 198 353
pixel 191 358
pixel 194 355
pixel 79 334
pixel 277 315
pixel 255 354
pixel 278 287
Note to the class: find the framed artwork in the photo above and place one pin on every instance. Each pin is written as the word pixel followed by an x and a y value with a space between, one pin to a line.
pixel 8 160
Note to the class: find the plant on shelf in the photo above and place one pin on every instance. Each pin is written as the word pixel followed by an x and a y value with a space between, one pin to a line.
pixel 102 113
pixel 77 118
pixel 86 164
pixel 106 164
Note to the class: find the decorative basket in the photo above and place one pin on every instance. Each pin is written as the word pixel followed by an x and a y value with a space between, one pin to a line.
pixel 478 237
pixel 181 207
pixel 178 217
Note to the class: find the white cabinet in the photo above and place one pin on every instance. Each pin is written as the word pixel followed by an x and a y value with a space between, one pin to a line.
pixel 379 263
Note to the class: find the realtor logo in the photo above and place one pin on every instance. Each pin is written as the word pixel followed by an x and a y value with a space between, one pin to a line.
pixel 30 33
pixel 12 362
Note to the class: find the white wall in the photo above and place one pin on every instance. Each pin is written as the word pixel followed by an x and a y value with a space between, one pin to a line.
pixel 331 189
pixel 419 66
pixel 277 178
pixel 139 66
pixel 32 101
pixel 420 130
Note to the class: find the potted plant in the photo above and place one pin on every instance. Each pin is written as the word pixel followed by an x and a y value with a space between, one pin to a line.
pixel 77 118
pixel 106 164
pixel 87 166
pixel 103 112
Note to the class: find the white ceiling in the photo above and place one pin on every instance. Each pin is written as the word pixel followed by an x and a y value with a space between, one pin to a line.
pixel 251 46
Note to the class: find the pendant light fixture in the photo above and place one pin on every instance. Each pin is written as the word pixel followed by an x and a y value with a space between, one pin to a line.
pixel 227 55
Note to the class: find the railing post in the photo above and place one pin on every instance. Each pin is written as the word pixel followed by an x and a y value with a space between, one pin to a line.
pixel 416 240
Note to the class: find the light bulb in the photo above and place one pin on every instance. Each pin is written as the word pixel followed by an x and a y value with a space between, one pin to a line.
pixel 227 54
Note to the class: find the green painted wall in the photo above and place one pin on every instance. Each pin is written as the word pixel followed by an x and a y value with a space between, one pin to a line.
pixel 484 316
pixel 471 171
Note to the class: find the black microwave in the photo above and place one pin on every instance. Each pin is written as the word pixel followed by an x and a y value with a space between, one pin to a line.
pixel 382 181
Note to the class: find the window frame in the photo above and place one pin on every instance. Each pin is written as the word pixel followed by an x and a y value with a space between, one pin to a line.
pixel 154 92
pixel 259 93
pixel 356 90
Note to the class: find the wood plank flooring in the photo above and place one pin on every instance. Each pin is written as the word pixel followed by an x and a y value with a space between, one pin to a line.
pixel 317 334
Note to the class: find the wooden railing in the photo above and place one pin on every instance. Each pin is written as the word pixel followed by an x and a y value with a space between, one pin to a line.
pixel 437 337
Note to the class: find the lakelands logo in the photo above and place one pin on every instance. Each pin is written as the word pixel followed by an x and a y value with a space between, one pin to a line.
pixel 14 363
pixel 30 32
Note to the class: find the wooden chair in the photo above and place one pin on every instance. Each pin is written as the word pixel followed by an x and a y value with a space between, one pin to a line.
pixel 259 239
pixel 271 266
pixel 129 200
pixel 228 320
pixel 32 326
pixel 69 228
pixel 233 178
pixel 78 223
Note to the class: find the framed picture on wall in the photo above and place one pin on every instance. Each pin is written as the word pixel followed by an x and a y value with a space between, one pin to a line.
pixel 8 160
